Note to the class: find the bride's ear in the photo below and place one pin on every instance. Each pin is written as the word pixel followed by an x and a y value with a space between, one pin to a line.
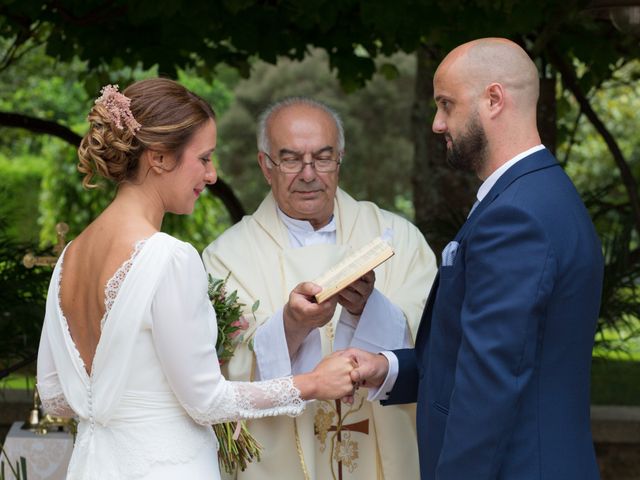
pixel 156 160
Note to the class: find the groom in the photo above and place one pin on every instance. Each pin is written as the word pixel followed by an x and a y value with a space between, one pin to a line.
pixel 502 360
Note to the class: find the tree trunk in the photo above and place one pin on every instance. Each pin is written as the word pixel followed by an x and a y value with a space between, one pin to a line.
pixel 223 191
pixel 547 113
pixel 442 196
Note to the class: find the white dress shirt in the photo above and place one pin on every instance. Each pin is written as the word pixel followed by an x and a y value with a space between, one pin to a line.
pixel 380 326
pixel 382 393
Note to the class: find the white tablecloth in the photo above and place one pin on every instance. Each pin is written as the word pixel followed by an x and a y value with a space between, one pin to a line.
pixel 47 455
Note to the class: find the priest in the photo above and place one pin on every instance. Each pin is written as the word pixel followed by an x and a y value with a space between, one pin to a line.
pixel 304 226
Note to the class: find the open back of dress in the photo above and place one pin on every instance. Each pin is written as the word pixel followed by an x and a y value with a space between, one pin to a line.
pixel 155 371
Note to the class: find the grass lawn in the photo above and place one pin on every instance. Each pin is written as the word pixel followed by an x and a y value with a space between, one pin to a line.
pixel 17 382
pixel 615 380
pixel 615 377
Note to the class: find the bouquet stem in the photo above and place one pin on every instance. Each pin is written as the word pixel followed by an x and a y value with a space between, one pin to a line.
pixel 235 454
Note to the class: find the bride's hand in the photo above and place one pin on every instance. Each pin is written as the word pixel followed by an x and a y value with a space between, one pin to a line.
pixel 331 379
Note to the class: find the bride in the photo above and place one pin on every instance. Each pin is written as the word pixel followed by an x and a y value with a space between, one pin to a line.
pixel 128 341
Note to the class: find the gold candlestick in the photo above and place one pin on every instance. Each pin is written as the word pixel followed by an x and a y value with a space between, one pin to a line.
pixel 34 414
pixel 36 422
pixel 30 260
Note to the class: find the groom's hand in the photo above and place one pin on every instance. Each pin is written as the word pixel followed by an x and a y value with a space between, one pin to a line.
pixel 371 369
pixel 302 314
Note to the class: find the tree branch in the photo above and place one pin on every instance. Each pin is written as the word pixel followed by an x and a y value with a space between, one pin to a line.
pixel 27 33
pixel 570 81
pixel 550 28
pixel 37 125
pixel 5 372
pixel 223 191
pixel 572 137
pixel 99 15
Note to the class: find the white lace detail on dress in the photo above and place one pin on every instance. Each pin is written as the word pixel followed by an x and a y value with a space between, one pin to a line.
pixel 176 443
pixel 252 400
pixel 132 452
pixel 64 320
pixel 110 292
pixel 115 282
pixel 53 401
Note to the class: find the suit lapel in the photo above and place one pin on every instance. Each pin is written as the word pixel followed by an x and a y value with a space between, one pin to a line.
pixel 425 321
pixel 536 161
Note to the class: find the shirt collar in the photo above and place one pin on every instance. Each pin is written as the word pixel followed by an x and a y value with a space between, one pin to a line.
pixel 493 178
pixel 303 226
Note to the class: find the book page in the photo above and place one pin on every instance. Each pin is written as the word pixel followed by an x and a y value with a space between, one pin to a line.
pixel 353 267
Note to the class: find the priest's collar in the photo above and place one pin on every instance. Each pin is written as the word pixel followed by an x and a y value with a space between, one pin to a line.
pixel 303 226
pixel 302 234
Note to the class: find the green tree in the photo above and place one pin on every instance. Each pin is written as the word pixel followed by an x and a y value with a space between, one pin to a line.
pixel 558 35
pixel 375 120
pixel 22 297
pixel 591 165
pixel 353 33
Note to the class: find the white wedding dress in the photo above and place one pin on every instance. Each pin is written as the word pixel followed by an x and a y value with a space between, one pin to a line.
pixel 155 384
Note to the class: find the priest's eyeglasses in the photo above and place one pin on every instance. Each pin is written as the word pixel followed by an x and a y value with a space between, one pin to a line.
pixel 322 162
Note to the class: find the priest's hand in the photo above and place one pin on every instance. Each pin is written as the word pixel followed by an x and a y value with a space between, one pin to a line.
pixel 371 370
pixel 331 379
pixel 355 296
pixel 302 314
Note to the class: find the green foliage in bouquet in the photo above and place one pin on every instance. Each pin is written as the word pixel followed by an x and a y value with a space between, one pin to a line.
pixel 237 445
pixel 231 323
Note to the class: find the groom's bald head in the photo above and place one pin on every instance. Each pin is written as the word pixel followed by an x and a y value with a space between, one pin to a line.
pixel 486 91
pixel 495 60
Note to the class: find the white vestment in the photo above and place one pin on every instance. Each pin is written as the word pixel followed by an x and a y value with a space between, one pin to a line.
pixel 374 442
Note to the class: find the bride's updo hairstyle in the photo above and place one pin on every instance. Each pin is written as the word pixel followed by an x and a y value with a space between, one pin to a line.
pixel 156 113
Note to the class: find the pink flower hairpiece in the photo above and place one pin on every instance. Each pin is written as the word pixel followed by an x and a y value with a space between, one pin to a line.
pixel 119 108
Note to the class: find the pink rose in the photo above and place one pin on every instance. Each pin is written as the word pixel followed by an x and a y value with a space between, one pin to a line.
pixel 242 323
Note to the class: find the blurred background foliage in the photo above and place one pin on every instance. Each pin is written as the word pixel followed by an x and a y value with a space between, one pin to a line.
pixel 41 185
pixel 378 153
pixel 360 58
pixel 590 165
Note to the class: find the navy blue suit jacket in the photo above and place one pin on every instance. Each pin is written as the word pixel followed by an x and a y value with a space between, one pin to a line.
pixel 501 367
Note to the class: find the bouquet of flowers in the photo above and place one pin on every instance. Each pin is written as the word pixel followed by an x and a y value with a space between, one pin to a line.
pixel 237 445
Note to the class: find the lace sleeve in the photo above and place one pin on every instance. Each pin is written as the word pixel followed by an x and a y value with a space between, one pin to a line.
pixel 252 400
pixel 54 403
pixel 184 333
pixel 49 388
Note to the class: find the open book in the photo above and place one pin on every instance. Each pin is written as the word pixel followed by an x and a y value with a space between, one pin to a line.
pixel 353 267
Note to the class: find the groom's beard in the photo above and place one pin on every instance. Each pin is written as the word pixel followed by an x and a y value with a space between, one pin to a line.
pixel 469 151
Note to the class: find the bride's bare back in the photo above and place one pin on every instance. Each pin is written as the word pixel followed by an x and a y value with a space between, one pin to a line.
pixel 89 262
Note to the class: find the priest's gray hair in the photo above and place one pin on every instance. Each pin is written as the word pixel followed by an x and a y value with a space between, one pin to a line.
pixel 265 116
